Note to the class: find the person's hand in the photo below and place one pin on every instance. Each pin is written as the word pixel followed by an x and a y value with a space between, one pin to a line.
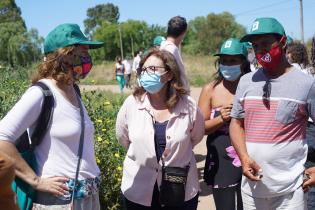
pixel 225 112
pixel 251 169
pixel 53 185
pixel 309 179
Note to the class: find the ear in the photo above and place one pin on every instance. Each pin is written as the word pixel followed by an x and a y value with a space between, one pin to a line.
pixel 283 42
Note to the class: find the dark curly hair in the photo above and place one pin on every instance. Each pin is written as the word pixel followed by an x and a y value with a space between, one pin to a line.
pixel 298 53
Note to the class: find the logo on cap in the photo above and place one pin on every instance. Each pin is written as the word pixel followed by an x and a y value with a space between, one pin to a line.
pixel 228 44
pixel 266 58
pixel 255 26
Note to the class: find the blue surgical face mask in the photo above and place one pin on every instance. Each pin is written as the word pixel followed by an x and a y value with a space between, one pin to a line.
pixel 151 82
pixel 230 73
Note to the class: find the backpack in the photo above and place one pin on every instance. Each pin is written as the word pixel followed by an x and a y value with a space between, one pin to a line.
pixel 26 145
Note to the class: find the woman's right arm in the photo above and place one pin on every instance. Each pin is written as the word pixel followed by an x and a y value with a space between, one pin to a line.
pixel 22 116
pixel 121 123
pixel 25 172
pixel 205 105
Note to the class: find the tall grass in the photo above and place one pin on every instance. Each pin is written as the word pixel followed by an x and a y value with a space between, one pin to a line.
pixel 199 69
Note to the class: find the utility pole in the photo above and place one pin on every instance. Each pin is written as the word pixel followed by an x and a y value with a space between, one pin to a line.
pixel 301 21
pixel 121 47
pixel 132 46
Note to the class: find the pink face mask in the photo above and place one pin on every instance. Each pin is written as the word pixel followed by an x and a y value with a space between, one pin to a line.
pixel 82 66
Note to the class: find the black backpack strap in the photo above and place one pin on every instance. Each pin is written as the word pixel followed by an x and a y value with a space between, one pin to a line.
pixel 77 89
pixel 44 116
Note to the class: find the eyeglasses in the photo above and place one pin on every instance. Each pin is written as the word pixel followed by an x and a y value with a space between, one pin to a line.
pixel 266 94
pixel 150 70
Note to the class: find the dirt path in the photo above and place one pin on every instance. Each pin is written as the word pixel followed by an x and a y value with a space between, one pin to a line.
pixel 205 198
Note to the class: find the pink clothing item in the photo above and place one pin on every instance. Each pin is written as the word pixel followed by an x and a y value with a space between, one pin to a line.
pixel 232 154
pixel 134 130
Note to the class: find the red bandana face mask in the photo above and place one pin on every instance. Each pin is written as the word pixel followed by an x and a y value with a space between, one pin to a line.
pixel 271 59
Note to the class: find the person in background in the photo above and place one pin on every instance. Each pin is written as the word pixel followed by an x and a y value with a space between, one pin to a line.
pixel 298 57
pixel 176 31
pixel 157 41
pixel 68 61
pixel 251 57
pixel 7 196
pixel 136 61
pixel 119 72
pixel 223 170
pixel 127 64
pixel 268 126
pixel 147 126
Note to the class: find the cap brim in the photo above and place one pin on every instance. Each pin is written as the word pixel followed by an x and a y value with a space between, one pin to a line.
pixel 93 44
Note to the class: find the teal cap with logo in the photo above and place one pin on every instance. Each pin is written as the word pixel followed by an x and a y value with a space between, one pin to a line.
pixel 158 40
pixel 66 35
pixel 232 46
pixel 262 26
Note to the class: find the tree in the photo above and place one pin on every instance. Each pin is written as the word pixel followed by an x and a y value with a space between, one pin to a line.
pixel 17 46
pixel 96 15
pixel 134 33
pixel 206 34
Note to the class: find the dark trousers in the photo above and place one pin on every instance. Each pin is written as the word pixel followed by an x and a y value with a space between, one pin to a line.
pixel 224 198
pixel 127 78
pixel 155 205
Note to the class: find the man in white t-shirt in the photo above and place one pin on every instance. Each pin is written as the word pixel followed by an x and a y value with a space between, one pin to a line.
pixel 136 61
pixel 127 64
pixel 176 31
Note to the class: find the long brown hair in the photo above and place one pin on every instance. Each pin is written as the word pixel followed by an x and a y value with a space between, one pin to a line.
pixel 175 89
pixel 56 66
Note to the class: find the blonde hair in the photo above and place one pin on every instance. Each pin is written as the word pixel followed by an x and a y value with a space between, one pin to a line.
pixel 56 65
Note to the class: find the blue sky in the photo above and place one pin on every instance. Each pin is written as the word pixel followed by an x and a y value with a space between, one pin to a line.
pixel 46 14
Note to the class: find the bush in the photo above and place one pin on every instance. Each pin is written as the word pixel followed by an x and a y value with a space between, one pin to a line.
pixel 102 108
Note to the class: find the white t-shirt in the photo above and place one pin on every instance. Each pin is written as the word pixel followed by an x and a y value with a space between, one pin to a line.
pixel 127 65
pixel 172 48
pixel 136 62
pixel 57 153
pixel 119 69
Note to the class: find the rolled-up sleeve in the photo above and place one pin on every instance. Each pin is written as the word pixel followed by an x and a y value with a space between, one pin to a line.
pixel 121 124
pixel 198 129
pixel 22 116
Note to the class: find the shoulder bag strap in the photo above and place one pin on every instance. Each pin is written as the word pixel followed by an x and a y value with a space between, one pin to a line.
pixel 80 150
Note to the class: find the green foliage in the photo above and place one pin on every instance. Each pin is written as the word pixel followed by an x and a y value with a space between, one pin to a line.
pixel 17 46
pixel 100 13
pixel 102 108
pixel 206 34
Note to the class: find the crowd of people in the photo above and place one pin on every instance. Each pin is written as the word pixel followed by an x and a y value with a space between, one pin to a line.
pixel 258 114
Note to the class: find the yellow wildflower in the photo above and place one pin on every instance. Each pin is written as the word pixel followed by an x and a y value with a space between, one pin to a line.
pixel 99 139
pixel 106 142
pixel 117 155
pixel 99 121
pixel 106 103
pixel 119 168
pixel 104 129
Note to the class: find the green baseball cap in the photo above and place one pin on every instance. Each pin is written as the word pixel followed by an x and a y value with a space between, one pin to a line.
pixel 232 46
pixel 289 40
pixel 158 40
pixel 264 26
pixel 66 35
